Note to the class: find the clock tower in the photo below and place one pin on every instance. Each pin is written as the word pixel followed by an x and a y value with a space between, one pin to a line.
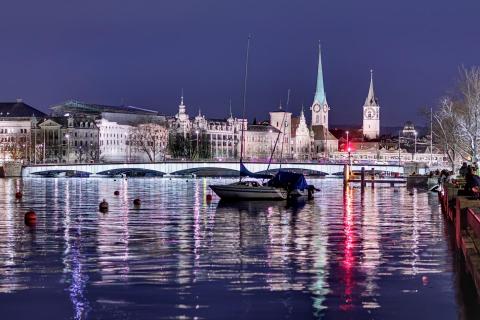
pixel 320 106
pixel 371 113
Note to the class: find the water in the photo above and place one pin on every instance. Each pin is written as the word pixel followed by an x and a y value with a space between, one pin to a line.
pixel 384 255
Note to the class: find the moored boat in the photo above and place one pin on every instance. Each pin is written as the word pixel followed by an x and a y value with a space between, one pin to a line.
pixel 249 190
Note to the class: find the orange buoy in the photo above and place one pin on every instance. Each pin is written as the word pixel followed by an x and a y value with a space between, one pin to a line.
pixel 30 218
pixel 209 197
pixel 18 195
pixel 116 192
pixel 103 206
pixel 136 202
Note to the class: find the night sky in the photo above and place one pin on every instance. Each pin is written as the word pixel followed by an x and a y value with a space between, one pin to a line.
pixel 144 52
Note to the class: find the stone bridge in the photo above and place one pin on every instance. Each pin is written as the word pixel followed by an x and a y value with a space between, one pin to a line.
pixel 182 167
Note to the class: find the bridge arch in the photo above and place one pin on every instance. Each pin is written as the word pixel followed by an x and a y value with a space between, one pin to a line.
pixel 132 172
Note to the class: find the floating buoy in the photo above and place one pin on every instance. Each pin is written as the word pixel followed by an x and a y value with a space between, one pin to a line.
pixel 30 218
pixel 18 195
pixel 103 206
pixel 425 280
pixel 116 192
pixel 411 193
pixel 136 202
pixel 209 197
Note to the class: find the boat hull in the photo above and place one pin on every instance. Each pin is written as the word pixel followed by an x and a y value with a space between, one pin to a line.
pixel 234 192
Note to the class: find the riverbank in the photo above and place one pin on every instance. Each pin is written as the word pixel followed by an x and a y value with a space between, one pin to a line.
pixel 464 213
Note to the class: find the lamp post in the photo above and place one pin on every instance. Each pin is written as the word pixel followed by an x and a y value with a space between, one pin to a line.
pixel 198 153
pixel 67 136
pixel 399 155
pixel 349 149
pixel 415 146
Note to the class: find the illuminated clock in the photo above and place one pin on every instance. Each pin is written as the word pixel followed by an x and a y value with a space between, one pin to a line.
pixel 325 108
pixel 316 107
pixel 369 113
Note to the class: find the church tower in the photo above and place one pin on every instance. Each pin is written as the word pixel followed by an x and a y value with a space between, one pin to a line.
pixel 320 106
pixel 371 113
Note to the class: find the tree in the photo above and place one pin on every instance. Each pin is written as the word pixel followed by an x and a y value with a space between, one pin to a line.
pixel 456 125
pixel 190 145
pixel 150 139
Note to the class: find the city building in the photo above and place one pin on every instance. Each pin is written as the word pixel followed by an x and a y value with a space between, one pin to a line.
pixel 64 140
pixel 115 124
pixel 282 121
pixel 260 142
pixel 15 130
pixel 371 113
pixel 302 138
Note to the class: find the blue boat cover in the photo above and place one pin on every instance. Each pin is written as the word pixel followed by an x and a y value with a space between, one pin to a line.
pixel 289 181
pixel 244 172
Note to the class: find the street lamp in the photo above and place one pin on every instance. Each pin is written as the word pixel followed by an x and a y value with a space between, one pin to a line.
pixel 198 153
pixel 399 155
pixel 348 148
pixel 415 147
pixel 67 136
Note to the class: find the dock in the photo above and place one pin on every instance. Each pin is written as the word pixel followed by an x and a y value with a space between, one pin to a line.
pixel 369 177
pixel 463 213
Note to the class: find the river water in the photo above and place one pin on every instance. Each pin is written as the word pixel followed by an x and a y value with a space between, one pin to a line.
pixel 383 254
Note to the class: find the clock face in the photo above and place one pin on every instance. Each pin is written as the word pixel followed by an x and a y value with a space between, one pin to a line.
pixel 325 108
pixel 316 107
pixel 369 113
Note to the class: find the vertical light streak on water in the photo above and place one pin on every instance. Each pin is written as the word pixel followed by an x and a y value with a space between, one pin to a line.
pixel 348 260
pixel 8 282
pixel 197 236
pixel 371 254
pixel 415 234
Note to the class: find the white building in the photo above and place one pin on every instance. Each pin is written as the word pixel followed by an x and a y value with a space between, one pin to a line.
pixel 64 139
pixel 15 130
pixel 115 124
pixel 282 121
pixel 302 138
pixel 371 113
pixel 260 142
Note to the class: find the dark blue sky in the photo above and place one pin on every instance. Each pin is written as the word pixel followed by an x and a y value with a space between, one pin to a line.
pixel 145 51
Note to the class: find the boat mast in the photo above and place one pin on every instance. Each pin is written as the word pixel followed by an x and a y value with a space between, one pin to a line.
pixel 431 136
pixel 284 129
pixel 242 142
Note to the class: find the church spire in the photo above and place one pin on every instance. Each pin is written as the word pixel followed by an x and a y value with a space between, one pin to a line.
pixel 371 99
pixel 320 92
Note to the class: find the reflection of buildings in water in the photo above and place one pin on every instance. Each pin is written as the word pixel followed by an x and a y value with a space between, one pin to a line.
pixel 370 252
pixel 8 253
pixel 74 259
pixel 319 250
pixel 113 237
pixel 348 258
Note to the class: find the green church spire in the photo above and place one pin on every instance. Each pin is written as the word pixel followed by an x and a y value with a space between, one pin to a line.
pixel 320 92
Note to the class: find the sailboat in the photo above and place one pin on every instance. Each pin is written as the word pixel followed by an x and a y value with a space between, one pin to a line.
pixel 279 187
pixel 250 189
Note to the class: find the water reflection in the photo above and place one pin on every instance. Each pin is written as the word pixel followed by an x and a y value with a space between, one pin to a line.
pixel 347 254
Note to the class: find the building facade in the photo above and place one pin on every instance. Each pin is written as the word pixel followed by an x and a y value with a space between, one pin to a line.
pixel 15 130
